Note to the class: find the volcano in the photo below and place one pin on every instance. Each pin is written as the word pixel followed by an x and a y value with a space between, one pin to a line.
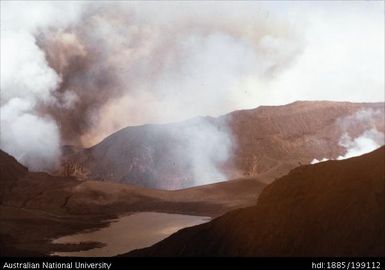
pixel 267 142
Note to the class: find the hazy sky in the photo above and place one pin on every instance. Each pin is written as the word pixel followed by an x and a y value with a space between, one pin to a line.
pixel 74 72
pixel 343 57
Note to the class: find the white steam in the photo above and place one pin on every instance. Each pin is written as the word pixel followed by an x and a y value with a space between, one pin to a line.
pixel 27 80
pixel 177 61
pixel 364 142
pixel 368 141
pixel 206 146
pixel 109 65
pixel 31 139
pixel 314 161
pixel 74 72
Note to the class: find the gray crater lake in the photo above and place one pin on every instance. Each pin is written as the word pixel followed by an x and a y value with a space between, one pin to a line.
pixel 138 230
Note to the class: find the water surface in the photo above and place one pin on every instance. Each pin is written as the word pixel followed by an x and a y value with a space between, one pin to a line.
pixel 130 232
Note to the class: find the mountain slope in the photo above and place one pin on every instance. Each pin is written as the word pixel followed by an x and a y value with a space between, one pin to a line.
pixel 36 207
pixel 267 142
pixel 334 208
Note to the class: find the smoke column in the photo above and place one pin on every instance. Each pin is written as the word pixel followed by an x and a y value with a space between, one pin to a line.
pixel 27 81
pixel 72 73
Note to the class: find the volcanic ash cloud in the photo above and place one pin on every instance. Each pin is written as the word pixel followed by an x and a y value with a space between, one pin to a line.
pixel 75 72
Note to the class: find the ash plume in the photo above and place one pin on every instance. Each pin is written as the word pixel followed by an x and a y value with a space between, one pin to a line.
pixel 85 70
pixel 27 81
pixel 155 66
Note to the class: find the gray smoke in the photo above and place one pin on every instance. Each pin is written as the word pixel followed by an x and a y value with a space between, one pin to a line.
pixel 75 72
pixel 26 81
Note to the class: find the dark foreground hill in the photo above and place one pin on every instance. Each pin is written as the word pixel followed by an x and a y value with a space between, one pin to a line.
pixel 334 208
pixel 36 207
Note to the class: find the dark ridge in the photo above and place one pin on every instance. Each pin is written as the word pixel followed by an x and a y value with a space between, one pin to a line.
pixel 333 208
